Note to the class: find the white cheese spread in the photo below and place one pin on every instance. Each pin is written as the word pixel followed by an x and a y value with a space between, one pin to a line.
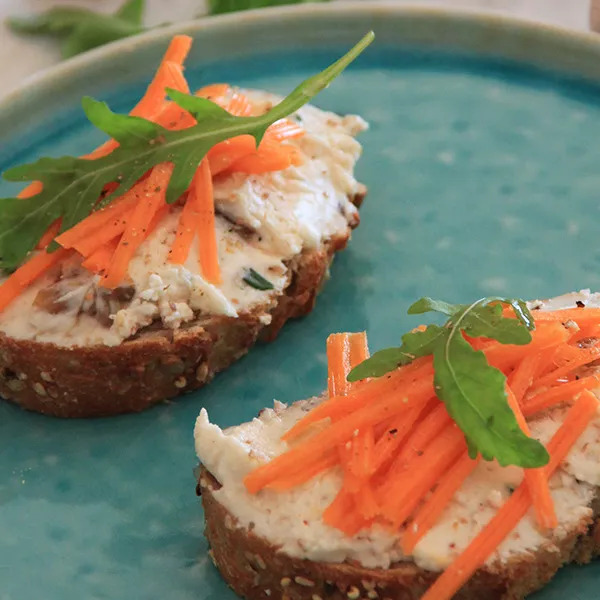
pixel 292 520
pixel 262 221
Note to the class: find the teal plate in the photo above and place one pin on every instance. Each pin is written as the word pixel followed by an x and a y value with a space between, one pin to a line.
pixel 483 179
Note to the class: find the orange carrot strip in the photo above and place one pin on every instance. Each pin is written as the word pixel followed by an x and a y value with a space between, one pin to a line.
pixel 387 445
pixel 285 129
pixel 515 508
pixel 428 514
pixel 506 356
pixel 342 514
pixel 270 156
pixel 585 356
pixel 337 433
pixel 94 222
pixel 558 394
pixel 405 488
pixel 186 231
pixel 327 461
pixel 432 425
pixel 27 273
pixel 394 383
pixel 150 197
pixel 177 52
pixel 359 348
pixel 225 154
pixel 537 483
pixel 33 189
pixel 202 192
pixel 338 364
pixel 214 90
pixel 239 105
pixel 99 260
pixel 568 314
pixel 49 234
pixel 521 379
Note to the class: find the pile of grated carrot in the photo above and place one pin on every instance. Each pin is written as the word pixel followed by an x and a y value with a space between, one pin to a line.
pixel 402 456
pixel 109 237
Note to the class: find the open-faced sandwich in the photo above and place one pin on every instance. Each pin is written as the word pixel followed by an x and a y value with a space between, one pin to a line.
pixel 145 267
pixel 464 464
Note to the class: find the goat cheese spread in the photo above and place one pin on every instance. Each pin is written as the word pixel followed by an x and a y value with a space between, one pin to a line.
pixel 293 522
pixel 262 221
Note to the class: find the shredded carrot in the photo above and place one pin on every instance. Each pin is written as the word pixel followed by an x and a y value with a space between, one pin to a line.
pixel 393 438
pixel 338 364
pixel 99 260
pixel 239 105
pixel 432 425
pixel 285 129
pixel 108 216
pixel 335 434
pixel 33 189
pixel 428 514
pixel 151 196
pixel 327 461
pixel 582 356
pixel 27 273
pixel 152 100
pixel 397 382
pixel 186 231
pixel 556 395
pixel 213 91
pixel 202 193
pixel 515 508
pixel 507 356
pixel 270 156
pixel 579 315
pixel 50 234
pixel 521 379
pixel 402 492
pixel 225 154
pixel 537 483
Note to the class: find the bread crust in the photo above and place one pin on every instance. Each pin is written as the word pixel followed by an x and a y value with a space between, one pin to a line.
pixel 158 364
pixel 251 565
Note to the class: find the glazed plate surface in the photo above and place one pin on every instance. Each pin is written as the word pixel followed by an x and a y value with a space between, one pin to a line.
pixel 484 179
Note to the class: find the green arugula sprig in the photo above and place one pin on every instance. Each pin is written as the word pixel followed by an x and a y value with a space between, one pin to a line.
pixel 72 186
pixel 472 390
pixel 81 29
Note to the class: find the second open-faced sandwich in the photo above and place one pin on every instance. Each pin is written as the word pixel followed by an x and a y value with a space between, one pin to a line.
pixel 157 260
pixel 463 464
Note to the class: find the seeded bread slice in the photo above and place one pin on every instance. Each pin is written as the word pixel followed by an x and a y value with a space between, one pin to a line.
pixel 157 364
pixel 255 569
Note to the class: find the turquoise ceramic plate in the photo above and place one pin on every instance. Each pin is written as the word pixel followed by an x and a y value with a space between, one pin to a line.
pixel 483 175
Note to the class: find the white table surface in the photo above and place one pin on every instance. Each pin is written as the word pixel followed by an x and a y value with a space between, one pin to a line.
pixel 23 56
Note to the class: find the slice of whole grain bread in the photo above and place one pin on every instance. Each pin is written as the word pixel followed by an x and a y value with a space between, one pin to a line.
pixel 255 569
pixel 157 364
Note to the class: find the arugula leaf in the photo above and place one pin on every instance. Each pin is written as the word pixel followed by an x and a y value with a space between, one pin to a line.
pixel 81 29
pixel 414 344
pixel 475 397
pixel 472 390
pixel 224 6
pixel 256 280
pixel 72 186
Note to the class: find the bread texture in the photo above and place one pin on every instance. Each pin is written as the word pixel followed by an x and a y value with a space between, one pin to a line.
pixel 156 364
pixel 255 569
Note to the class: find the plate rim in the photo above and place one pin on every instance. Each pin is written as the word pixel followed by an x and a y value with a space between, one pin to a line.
pixel 586 41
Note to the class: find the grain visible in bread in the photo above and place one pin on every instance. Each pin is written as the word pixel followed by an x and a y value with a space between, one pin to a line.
pixel 255 569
